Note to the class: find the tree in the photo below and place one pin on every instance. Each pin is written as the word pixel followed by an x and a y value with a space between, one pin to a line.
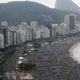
pixel 26 67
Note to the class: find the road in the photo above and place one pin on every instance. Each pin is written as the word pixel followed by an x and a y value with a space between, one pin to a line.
pixel 10 68
pixel 53 62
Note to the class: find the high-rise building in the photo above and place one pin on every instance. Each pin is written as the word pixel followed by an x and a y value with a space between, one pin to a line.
pixel 1 40
pixel 34 24
pixel 4 23
pixel 70 20
pixel 12 38
pixel 3 31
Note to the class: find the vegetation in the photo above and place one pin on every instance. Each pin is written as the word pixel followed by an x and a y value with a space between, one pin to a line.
pixel 2 63
pixel 5 54
pixel 8 51
pixel 1 77
pixel 15 12
pixel 36 44
pixel 26 67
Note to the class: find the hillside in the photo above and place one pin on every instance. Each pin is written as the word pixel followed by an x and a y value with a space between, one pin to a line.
pixel 15 12
pixel 67 5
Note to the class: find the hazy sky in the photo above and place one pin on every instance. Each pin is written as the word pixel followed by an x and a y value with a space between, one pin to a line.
pixel 49 3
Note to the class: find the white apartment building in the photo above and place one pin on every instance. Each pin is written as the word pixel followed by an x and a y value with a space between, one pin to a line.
pixel 45 32
pixel 1 40
pixel 77 27
pixel 4 23
pixel 19 34
pixel 36 33
pixel 70 20
pixel 39 31
pixel 3 33
pixel 34 23
pixel 55 28
pixel 25 31
pixel 63 29
pixel 12 36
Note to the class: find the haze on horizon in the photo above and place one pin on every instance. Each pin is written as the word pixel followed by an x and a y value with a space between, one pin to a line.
pixel 49 3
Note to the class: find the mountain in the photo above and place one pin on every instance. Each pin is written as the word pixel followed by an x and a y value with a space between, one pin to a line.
pixel 15 12
pixel 67 5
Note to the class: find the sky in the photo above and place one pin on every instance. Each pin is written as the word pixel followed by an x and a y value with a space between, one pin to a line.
pixel 49 3
pixel 77 2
